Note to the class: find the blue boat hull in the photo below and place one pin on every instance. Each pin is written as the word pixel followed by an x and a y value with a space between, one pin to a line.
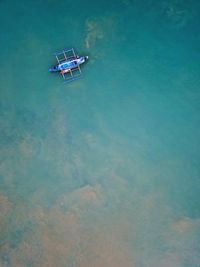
pixel 69 64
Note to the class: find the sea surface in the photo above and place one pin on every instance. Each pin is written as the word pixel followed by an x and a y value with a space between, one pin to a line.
pixel 103 171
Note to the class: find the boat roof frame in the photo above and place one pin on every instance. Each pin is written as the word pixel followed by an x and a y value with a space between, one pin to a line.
pixel 64 55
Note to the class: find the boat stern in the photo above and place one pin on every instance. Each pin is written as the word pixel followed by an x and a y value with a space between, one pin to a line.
pixel 53 69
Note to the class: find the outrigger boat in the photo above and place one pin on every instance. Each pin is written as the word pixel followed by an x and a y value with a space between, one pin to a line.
pixel 68 64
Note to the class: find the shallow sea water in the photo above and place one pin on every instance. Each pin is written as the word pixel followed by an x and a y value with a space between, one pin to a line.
pixel 103 171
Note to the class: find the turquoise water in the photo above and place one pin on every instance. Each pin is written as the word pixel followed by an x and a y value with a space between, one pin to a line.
pixel 103 171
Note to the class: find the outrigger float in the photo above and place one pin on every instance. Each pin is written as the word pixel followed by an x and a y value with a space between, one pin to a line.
pixel 68 64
